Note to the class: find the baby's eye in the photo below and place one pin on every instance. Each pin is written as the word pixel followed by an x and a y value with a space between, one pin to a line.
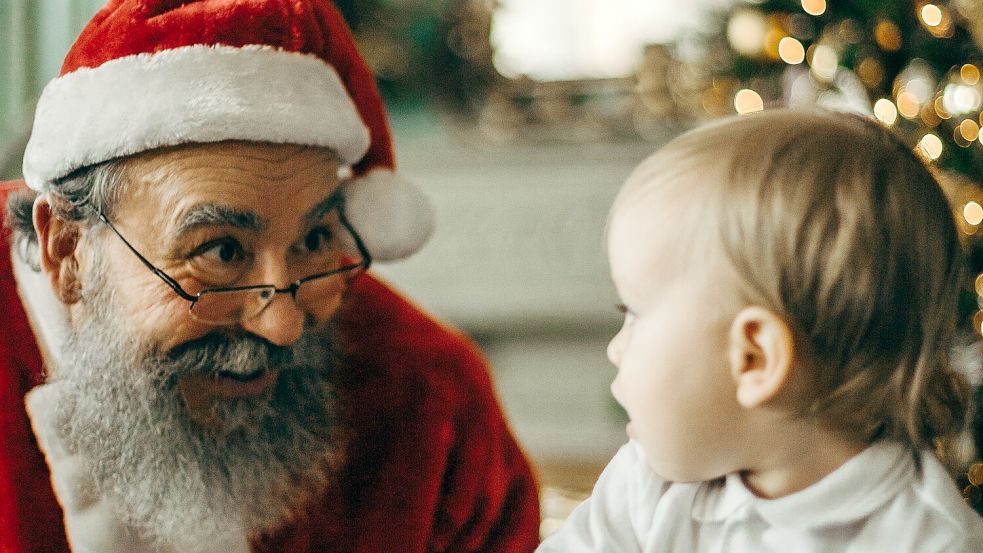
pixel 624 310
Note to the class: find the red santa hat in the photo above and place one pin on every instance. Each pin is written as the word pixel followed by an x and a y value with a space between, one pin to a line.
pixel 147 74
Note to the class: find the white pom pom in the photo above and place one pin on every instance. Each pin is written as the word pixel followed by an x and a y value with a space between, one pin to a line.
pixel 392 216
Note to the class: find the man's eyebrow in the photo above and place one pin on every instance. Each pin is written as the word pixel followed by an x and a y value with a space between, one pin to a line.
pixel 322 208
pixel 206 215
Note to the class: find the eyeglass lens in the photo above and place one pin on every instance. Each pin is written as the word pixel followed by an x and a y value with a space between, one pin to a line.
pixel 236 305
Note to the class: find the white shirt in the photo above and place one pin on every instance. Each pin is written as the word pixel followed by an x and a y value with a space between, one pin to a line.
pixel 876 502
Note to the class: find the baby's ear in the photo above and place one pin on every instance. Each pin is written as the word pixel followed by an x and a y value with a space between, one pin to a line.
pixel 761 353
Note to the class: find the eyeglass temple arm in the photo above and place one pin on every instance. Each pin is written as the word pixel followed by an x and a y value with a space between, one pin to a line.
pixel 362 250
pixel 160 274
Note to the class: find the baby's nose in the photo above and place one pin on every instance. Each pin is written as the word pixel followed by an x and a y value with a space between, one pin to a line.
pixel 614 350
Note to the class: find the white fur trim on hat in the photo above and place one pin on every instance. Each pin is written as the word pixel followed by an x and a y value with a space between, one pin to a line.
pixel 391 215
pixel 190 94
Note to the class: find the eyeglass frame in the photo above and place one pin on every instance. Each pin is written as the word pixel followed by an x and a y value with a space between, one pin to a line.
pixel 291 289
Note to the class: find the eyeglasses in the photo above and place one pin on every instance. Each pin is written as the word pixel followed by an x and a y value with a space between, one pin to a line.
pixel 231 305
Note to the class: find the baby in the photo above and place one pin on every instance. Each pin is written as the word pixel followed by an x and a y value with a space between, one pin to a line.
pixel 789 283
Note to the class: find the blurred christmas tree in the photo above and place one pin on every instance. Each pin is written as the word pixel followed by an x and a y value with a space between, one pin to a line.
pixel 398 40
pixel 914 65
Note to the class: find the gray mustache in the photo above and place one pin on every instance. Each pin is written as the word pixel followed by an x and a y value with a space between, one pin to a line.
pixel 222 352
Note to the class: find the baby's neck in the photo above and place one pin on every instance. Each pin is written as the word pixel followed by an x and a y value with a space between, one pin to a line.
pixel 802 458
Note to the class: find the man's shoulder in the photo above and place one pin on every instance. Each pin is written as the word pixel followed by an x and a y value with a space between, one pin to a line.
pixel 404 366
pixel 390 334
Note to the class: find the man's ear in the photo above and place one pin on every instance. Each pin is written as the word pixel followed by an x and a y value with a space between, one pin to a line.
pixel 58 241
pixel 762 351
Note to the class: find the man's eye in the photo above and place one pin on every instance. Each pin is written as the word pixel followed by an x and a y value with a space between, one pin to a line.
pixel 317 240
pixel 225 251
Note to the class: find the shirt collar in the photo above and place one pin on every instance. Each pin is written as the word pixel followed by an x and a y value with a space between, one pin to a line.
pixel 856 489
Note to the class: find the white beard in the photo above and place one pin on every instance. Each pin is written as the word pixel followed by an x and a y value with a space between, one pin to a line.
pixel 174 480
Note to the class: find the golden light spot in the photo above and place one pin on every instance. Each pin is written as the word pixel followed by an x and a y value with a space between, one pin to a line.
pixel 772 41
pixel 746 31
pixel 957 137
pixel 937 19
pixel 969 130
pixel 824 62
pixel 791 51
pixel 908 104
pixel 970 74
pixel 979 284
pixel 885 111
pixel 887 35
pixel 929 117
pixel 814 7
pixel 973 213
pixel 978 322
pixel 748 101
pixel 931 146
pixel 940 108
pixel 931 15
pixel 870 72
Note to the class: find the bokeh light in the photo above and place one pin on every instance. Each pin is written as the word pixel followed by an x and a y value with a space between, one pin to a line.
pixel 871 72
pixel 885 111
pixel 824 62
pixel 931 15
pixel 748 101
pixel 814 7
pixel 791 51
pixel 969 130
pixel 931 146
pixel 959 98
pixel 908 104
pixel 970 74
pixel 746 32
pixel 887 35
pixel 973 213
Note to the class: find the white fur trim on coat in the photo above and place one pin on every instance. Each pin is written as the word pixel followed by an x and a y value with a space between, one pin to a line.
pixel 391 215
pixel 190 94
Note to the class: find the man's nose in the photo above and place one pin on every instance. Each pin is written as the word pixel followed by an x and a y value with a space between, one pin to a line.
pixel 281 322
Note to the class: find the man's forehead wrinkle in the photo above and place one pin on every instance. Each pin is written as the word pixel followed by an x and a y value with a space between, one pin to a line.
pixel 279 163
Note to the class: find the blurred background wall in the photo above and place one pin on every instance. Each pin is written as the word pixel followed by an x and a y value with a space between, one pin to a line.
pixel 521 118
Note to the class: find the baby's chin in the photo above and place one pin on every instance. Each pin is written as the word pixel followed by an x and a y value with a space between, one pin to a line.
pixel 681 471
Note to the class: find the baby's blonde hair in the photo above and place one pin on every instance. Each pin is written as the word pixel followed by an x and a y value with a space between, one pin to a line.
pixel 832 223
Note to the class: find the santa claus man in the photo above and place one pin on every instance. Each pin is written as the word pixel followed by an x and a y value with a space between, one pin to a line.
pixel 193 356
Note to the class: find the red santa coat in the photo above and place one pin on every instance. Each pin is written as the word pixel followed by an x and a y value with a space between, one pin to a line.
pixel 432 465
